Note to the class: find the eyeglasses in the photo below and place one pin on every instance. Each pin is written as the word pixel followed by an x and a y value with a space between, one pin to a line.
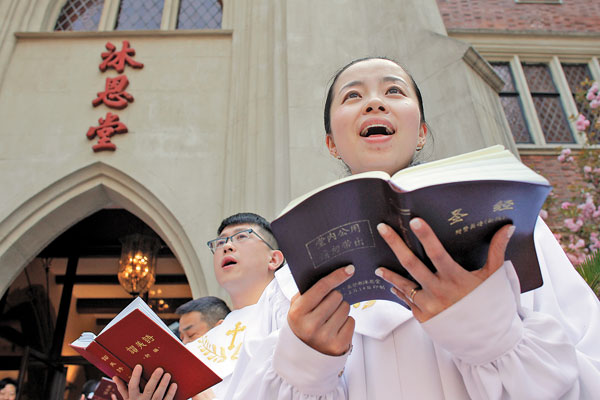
pixel 237 237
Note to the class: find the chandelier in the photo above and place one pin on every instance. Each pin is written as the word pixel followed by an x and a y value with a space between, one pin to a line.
pixel 137 265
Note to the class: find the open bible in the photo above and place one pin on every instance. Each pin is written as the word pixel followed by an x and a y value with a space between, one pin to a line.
pixel 138 336
pixel 465 199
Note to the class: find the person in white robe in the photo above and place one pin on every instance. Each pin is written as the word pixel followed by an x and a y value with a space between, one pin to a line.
pixel 245 258
pixel 467 335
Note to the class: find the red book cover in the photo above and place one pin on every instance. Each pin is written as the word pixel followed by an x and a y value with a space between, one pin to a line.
pixel 104 360
pixel 105 388
pixel 138 336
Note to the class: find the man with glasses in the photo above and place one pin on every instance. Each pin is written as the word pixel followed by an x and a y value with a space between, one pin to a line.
pixel 245 258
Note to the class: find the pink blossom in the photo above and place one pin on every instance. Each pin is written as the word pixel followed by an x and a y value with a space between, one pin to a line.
pixel 557 236
pixel 576 259
pixel 573 226
pixel 592 92
pixel 564 155
pixel 544 214
pixel 582 123
pixel 565 205
pixel 587 169
pixel 574 246
pixel 595 103
pixel 588 207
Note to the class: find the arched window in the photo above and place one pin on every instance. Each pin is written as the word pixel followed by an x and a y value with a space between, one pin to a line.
pixel 139 14
pixel 87 15
pixel 79 15
pixel 200 14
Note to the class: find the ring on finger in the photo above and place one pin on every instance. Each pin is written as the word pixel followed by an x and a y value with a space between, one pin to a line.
pixel 411 295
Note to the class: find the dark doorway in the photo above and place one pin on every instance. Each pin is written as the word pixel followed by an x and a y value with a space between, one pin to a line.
pixel 71 287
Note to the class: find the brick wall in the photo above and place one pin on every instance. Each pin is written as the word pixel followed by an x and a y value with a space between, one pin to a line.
pixel 571 16
pixel 560 175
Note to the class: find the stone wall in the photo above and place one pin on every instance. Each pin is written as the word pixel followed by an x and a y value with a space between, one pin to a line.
pixel 223 121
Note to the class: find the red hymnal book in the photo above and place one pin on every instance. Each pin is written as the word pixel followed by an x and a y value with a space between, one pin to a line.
pixel 105 388
pixel 465 199
pixel 138 336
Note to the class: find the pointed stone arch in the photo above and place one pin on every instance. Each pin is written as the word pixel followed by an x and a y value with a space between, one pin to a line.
pixel 43 217
pixel 51 14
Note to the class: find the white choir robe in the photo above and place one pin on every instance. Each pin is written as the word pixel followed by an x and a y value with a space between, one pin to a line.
pixel 220 347
pixel 495 343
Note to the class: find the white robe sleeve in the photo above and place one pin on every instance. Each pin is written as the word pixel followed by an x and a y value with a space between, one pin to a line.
pixel 547 348
pixel 567 297
pixel 499 354
pixel 275 364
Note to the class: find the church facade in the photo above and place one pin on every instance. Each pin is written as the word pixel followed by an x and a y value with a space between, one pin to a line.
pixel 218 120
pixel 184 112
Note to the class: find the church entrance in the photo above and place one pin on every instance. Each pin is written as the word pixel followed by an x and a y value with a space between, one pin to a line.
pixel 70 287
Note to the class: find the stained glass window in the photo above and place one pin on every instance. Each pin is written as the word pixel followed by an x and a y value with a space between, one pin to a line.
pixel 79 15
pixel 576 74
pixel 511 102
pixel 546 100
pixel 139 14
pixel 199 14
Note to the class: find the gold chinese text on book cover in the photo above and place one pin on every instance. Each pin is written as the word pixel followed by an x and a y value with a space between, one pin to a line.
pixel 138 336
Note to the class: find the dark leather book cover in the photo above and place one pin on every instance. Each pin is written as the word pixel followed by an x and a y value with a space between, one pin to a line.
pixel 136 339
pixel 337 226
pixel 105 388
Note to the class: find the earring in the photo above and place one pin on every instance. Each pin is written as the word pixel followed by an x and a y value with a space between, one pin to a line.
pixel 420 144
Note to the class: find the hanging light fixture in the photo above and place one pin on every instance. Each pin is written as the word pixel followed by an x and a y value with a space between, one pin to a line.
pixel 137 265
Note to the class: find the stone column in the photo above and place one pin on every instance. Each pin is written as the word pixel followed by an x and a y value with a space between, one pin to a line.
pixel 458 86
pixel 256 172
pixel 14 17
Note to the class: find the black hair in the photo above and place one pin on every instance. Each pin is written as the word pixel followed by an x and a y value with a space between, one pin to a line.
pixel 7 381
pixel 253 219
pixel 212 309
pixel 330 95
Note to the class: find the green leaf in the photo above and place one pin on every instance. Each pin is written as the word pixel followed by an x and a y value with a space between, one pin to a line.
pixel 590 271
